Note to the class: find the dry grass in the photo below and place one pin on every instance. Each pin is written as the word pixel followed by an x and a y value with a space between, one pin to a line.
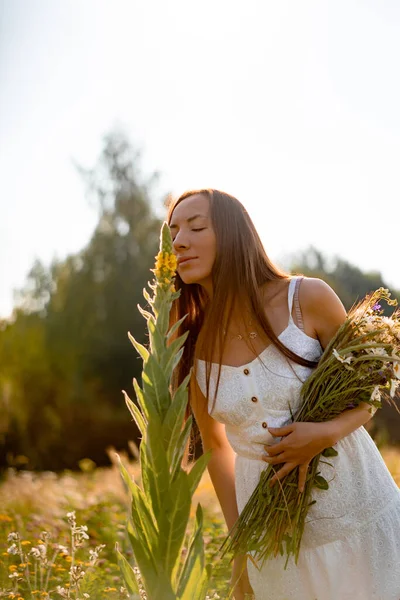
pixel 36 502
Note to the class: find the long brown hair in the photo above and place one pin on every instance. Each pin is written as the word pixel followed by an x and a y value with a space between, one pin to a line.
pixel 241 267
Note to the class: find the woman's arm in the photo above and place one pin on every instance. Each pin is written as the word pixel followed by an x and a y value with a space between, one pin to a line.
pixel 323 313
pixel 221 468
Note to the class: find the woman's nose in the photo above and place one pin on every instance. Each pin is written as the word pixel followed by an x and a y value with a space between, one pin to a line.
pixel 180 241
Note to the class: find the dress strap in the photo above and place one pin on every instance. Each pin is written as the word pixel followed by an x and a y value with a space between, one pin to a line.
pixel 293 297
pixel 292 285
pixel 299 317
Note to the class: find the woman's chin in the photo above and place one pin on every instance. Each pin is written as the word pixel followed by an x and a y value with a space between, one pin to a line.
pixel 189 277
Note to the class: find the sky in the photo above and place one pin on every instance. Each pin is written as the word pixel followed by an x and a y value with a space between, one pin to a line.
pixel 293 107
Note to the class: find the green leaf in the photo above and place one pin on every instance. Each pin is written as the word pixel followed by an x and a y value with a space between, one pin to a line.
pixel 136 414
pixel 194 578
pixel 147 296
pixel 173 422
pixel 321 483
pixel 144 353
pixel 197 471
pixel 156 386
pixel 176 511
pixel 157 340
pixel 175 327
pixel 142 517
pixel 175 346
pixel 128 574
pixel 328 452
pixel 155 470
pixel 147 405
pixel 181 447
pixel 146 314
pixel 155 582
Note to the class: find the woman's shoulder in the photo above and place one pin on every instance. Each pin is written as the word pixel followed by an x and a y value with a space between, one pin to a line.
pixel 313 291
pixel 321 307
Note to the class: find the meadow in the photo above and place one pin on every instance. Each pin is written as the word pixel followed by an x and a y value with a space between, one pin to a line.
pixel 34 503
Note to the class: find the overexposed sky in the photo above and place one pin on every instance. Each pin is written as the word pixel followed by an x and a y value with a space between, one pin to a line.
pixel 291 106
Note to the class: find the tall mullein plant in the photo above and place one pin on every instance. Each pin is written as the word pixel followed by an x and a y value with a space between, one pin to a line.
pixel 160 507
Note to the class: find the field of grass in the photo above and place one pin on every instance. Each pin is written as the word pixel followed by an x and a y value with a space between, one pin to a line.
pixel 33 503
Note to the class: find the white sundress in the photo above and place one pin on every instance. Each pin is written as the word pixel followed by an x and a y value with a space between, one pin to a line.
pixel 351 542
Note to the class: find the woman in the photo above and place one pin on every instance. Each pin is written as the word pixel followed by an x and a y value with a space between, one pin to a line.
pixel 255 334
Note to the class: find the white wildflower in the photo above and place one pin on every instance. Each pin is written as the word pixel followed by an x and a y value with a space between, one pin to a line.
pixel 94 554
pixel 342 359
pixel 13 537
pixel 35 553
pixel 62 591
pixel 63 549
pixel 76 573
pixel 368 323
pixel 71 518
pixel 391 324
pixel 14 575
pixel 396 366
pixel 393 387
pixel 376 394
pixel 377 351
pixel 13 549
pixel 80 534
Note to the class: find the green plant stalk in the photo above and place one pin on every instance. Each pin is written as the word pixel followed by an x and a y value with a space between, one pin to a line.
pixel 323 398
pixel 160 508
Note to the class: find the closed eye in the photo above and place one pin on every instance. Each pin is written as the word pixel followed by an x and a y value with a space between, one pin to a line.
pixel 198 229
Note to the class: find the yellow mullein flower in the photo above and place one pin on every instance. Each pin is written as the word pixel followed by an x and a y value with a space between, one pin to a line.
pixel 5 518
pixel 165 266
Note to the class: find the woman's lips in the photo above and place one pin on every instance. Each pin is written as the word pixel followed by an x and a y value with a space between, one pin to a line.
pixel 186 261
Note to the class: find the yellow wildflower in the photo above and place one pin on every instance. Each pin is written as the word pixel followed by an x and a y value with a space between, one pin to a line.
pixel 5 518
pixel 25 543
pixel 13 567
pixel 110 589
pixel 165 266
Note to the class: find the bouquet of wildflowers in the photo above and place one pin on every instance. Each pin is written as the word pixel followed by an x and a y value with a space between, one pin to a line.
pixel 360 364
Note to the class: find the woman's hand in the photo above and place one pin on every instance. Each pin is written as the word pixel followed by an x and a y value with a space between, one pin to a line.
pixel 240 578
pixel 300 443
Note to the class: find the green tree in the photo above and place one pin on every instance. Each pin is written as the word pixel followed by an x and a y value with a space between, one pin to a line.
pixel 66 352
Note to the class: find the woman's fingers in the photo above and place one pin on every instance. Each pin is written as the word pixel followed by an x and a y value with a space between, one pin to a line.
pixel 280 431
pixel 275 449
pixel 285 470
pixel 274 460
pixel 303 469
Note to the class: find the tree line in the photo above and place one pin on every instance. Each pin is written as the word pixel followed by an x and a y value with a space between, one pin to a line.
pixel 65 355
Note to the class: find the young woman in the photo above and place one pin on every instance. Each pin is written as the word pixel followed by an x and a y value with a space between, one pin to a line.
pixel 255 334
